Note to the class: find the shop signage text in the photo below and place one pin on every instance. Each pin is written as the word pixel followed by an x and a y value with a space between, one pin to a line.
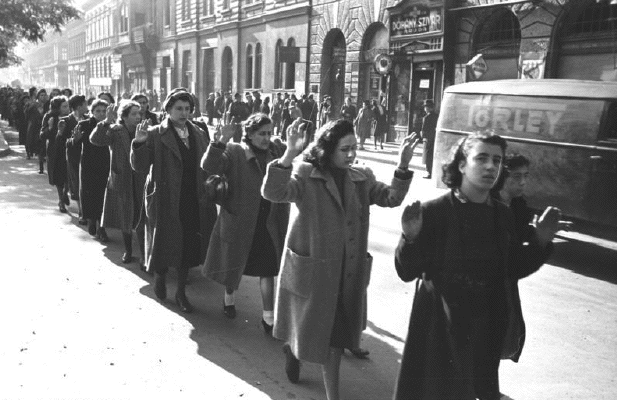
pixel 416 20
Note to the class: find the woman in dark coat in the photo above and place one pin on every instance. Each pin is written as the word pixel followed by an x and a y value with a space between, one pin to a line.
pixel 285 119
pixel 94 169
pixel 56 150
pixel 463 248
pixel 124 191
pixel 179 216
pixel 249 232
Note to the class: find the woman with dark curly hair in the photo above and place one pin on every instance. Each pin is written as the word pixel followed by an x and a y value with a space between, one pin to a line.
pixel 321 294
pixel 249 232
pixel 464 250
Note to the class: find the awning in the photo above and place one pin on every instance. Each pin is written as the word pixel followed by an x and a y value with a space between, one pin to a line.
pixel 495 3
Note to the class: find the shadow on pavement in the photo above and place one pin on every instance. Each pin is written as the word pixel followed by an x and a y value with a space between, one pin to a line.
pixel 585 258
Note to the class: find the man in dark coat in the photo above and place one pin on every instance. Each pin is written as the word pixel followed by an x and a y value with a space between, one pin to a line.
pixel 79 108
pixel 429 125
pixel 236 113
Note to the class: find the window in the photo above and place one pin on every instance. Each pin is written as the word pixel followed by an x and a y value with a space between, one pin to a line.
pixel 290 68
pixel 249 66
pixel 597 17
pixel 225 4
pixel 167 12
pixel 257 83
pixel 227 69
pixel 208 7
pixel 501 32
pixel 187 69
pixel 185 10
pixel 124 18
pixel 278 68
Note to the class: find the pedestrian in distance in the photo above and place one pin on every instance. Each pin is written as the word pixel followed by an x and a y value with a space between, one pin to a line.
pixel 265 107
pixel 321 293
pixel 56 162
pixel 238 112
pixel 379 123
pixel 348 111
pixel 34 115
pixel 179 215
pixel 210 108
pixel 363 123
pixel 249 232
pixel 429 126
pixel 257 102
pixel 285 119
pixel 93 170
pixel 277 109
pixel 463 249
pixel 125 187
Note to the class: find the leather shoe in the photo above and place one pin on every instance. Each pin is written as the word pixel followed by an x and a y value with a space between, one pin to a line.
pixel 359 353
pixel 62 208
pixel 160 288
pixel 102 235
pixel 65 199
pixel 127 258
pixel 183 303
pixel 229 311
pixel 91 228
pixel 82 221
pixel 292 364
pixel 267 327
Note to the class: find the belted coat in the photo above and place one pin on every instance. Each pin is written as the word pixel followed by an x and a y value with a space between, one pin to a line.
pixel 232 237
pixel 124 192
pixel 325 237
pixel 160 158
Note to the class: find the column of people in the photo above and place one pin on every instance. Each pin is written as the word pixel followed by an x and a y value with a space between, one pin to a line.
pixel 132 170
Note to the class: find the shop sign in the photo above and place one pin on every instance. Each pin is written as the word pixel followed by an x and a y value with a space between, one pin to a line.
pixel 418 19
pixel 116 67
pixel 289 54
pixel 477 67
pixel 106 81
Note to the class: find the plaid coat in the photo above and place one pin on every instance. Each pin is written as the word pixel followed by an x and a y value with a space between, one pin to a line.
pixel 125 187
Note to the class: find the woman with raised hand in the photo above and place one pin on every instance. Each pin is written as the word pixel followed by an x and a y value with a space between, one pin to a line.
pixel 179 216
pixel 249 232
pixel 321 296
pixel 125 187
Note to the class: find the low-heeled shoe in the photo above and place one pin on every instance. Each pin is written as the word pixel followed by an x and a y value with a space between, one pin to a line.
pixel 292 365
pixel 267 327
pixel 183 303
pixel 229 311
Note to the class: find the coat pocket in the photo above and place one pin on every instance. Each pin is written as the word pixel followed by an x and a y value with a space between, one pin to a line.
pixel 298 273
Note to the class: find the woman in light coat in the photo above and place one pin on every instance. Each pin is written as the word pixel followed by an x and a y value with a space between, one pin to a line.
pixel 363 123
pixel 320 303
pixel 125 188
pixel 249 233
pixel 179 216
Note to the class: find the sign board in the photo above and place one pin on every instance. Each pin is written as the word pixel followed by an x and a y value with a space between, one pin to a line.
pixel 116 67
pixel 418 19
pixel 289 54
pixel 477 67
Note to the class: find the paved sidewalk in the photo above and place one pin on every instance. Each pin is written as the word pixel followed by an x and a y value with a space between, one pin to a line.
pixel 5 149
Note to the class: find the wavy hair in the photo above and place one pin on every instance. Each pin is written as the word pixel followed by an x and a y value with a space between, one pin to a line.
pixel 328 137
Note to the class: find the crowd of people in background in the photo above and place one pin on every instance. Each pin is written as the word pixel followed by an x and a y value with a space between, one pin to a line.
pixel 296 209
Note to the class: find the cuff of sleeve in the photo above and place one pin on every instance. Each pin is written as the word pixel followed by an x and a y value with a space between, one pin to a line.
pixel 403 174
pixel 277 164
pixel 218 145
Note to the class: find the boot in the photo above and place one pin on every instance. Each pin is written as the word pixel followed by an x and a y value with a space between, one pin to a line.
pixel 127 257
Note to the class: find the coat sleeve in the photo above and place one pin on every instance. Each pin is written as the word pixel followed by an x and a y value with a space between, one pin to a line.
pixel 216 160
pixel 388 195
pixel 101 135
pixel 280 186
pixel 417 259
pixel 44 134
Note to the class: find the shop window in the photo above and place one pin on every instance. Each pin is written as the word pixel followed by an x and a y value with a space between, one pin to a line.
pixel 596 17
pixel 249 66
pixel 258 55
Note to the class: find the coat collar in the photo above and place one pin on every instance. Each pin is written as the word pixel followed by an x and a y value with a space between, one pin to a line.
pixel 168 139
pixel 353 175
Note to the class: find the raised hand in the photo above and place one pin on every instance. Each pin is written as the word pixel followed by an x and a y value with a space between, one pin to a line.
pixel 61 126
pixel 77 134
pixel 111 114
pixel 547 225
pixel 141 134
pixel 50 123
pixel 226 132
pixel 411 221
pixel 295 141
pixel 406 149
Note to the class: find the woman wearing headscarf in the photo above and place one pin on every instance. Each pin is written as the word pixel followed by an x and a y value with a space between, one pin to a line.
pixel 124 191
pixel 179 215
pixel 56 164
pixel 249 232
pixel 321 295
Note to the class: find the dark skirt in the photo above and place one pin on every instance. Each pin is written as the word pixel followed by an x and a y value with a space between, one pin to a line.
pixel 341 336
pixel 262 260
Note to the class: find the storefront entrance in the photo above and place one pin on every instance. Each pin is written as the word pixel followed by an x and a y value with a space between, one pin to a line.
pixel 333 69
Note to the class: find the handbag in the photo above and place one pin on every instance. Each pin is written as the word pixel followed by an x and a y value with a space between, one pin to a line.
pixel 217 189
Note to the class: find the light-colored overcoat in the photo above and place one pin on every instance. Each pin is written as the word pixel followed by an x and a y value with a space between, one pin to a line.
pixel 233 233
pixel 325 238
pixel 119 205
pixel 161 160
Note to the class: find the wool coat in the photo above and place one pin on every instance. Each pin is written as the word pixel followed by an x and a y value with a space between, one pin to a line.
pixel 160 158
pixel 325 237
pixel 435 364
pixel 363 122
pixel 125 189
pixel 49 136
pixel 232 237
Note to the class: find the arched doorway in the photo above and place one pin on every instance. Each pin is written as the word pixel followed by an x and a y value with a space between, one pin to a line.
pixel 498 39
pixel 585 26
pixel 227 70
pixel 370 83
pixel 333 68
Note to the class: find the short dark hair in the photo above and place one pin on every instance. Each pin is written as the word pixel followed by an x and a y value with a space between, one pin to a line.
pixel 40 92
pixel 510 163
pixel 76 101
pixel 452 176
pixel 138 96
pixel 328 137
pixel 253 123
pixel 124 108
pixel 56 102
pixel 108 95
pixel 68 92
pixel 97 103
